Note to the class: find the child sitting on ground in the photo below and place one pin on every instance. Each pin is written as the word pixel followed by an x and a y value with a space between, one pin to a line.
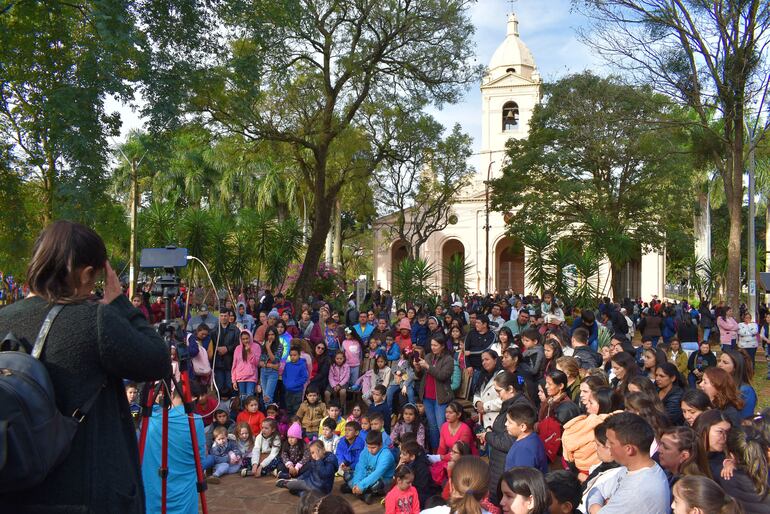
pixel 227 456
pixel 379 405
pixel 349 449
pixel 373 472
pixel 221 419
pixel 327 435
pixel 402 498
pixel 413 456
pixel 317 475
pixel 407 423
pixel 272 411
pixel 267 447
pixel 252 415
pixel 333 412
pixel 245 442
pixel 294 454
pixel 311 412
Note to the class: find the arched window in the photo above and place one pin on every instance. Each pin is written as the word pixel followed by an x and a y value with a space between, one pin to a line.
pixel 510 116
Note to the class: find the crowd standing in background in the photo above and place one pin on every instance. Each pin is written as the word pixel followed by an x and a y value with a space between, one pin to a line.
pixel 497 403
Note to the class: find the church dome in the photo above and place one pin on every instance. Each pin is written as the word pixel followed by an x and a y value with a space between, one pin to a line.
pixel 512 54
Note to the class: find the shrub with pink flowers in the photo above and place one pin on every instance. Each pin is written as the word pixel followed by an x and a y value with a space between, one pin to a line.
pixel 328 281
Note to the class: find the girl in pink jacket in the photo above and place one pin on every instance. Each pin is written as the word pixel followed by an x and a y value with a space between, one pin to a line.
pixel 339 374
pixel 728 329
pixel 245 366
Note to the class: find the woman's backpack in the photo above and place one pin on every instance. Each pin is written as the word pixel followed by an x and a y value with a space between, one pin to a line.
pixel 29 415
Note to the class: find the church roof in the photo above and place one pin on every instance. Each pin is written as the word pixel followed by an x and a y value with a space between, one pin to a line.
pixel 512 53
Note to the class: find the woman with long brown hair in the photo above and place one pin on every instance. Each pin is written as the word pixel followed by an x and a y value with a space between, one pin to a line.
pixel 721 389
pixel 93 344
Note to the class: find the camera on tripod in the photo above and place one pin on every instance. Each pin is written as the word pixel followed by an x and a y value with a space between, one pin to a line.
pixel 167 284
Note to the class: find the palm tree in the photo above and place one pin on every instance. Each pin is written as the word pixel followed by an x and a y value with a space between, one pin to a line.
pixel 537 242
pixel 456 271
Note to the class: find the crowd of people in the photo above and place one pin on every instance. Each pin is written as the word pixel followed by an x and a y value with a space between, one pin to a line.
pixel 502 403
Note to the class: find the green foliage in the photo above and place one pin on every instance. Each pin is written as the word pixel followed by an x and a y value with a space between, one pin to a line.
pixel 456 272
pixel 413 281
pixel 612 172
pixel 587 264
pixel 537 242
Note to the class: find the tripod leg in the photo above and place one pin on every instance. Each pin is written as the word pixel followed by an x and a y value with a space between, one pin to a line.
pixel 189 408
pixel 150 392
pixel 163 471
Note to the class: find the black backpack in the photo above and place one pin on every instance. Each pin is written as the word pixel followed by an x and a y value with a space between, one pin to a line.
pixel 28 414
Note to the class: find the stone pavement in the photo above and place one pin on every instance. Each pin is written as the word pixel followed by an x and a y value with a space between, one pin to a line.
pixel 236 495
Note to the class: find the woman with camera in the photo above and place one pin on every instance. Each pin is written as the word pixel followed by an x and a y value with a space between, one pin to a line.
pixel 93 344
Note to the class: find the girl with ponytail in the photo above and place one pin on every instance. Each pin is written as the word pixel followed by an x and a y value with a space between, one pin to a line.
pixel 468 487
pixel 698 494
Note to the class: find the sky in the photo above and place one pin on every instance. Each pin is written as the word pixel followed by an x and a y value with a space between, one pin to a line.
pixel 547 27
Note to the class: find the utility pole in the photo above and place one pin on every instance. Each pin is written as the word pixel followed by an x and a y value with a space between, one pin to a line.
pixel 132 247
pixel 486 229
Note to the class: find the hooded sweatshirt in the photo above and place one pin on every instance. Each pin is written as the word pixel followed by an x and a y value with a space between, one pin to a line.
pixel 319 474
pixel 246 370
pixel 246 320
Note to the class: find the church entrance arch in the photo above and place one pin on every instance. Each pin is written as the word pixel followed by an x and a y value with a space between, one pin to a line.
pixel 450 249
pixel 509 265
pixel 398 252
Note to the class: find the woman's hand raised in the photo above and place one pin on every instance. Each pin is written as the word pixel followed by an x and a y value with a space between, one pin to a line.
pixel 112 287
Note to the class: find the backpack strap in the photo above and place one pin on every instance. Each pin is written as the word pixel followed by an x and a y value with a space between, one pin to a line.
pixel 37 349
pixel 80 413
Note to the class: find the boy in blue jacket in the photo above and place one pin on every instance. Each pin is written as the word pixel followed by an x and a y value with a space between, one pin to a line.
pixel 349 449
pixel 374 471
pixel 294 380
pixel 420 331
pixel 317 475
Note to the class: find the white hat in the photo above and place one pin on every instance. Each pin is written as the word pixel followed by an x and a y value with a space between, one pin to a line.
pixel 457 304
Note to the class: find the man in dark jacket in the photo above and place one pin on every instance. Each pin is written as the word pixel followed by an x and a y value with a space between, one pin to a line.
pixel 584 354
pixel 225 336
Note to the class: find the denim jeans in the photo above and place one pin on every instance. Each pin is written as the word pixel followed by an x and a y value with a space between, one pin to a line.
pixel 354 372
pixel 293 401
pixel 753 354
pixel 654 340
pixel 224 380
pixel 436 413
pixel 394 390
pixel 246 389
pixel 268 381
pixel 706 333
pixel 225 468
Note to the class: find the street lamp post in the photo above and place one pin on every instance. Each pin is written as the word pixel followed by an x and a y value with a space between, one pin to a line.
pixel 486 229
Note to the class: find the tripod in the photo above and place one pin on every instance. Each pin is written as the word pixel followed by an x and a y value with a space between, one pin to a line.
pixel 151 391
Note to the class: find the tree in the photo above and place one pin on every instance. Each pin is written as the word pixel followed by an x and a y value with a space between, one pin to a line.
pixel 704 54
pixel 421 175
pixel 301 74
pixel 599 166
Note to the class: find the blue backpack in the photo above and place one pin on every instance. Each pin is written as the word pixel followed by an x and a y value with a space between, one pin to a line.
pixel 28 413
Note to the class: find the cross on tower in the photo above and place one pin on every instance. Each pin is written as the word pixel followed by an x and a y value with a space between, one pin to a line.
pixel 510 3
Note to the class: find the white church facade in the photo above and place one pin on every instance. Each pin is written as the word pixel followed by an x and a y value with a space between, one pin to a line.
pixel 510 90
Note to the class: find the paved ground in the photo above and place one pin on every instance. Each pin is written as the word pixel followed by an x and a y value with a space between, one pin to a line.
pixel 236 495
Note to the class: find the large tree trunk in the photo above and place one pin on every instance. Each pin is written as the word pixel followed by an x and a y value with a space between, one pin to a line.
pixel 322 207
pixel 734 197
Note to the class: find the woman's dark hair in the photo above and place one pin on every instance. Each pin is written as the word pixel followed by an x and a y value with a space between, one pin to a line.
pixel 61 249
pixel 740 372
pixel 697 399
pixel 276 342
pixel 702 426
pixel 555 346
pixel 670 370
pixel 603 397
pixel 651 411
pixel 486 376
pixel 645 385
pixel 558 377
pixel 513 352
pixel 507 379
pixel 526 481
pixel 458 408
pixel 686 440
pixel 402 471
pixel 507 331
